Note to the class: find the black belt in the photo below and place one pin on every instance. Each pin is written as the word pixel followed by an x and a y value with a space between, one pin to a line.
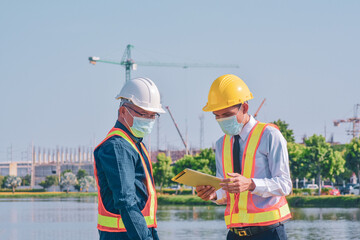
pixel 250 231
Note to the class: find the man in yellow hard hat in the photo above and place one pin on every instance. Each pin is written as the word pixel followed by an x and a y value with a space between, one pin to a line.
pixel 252 160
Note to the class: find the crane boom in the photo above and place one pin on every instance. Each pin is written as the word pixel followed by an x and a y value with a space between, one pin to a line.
pixel 187 65
pixel 177 128
pixel 130 64
pixel 94 60
pixel 262 103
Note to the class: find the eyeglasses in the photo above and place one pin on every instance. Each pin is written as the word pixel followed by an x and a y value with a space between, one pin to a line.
pixel 143 115
pixel 228 114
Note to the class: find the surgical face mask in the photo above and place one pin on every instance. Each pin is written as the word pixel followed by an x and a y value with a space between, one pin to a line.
pixel 141 126
pixel 230 125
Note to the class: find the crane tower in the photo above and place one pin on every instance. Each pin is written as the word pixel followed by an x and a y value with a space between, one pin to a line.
pixel 355 121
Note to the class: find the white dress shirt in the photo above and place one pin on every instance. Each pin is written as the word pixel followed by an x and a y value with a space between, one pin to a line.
pixel 272 174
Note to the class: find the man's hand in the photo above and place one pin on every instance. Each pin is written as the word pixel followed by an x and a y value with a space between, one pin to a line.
pixel 237 183
pixel 206 192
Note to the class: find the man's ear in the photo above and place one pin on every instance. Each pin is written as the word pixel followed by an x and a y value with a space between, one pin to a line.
pixel 121 111
pixel 245 107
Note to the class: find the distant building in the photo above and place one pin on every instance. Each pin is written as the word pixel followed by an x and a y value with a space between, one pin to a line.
pixel 47 162
pixel 20 169
pixel 174 154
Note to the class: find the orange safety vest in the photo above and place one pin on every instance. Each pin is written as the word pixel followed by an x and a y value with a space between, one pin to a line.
pixel 241 210
pixel 111 222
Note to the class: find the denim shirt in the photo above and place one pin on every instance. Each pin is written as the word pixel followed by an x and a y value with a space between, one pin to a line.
pixel 122 180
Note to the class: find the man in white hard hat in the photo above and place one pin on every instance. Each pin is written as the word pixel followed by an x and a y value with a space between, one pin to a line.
pixel 252 160
pixel 127 200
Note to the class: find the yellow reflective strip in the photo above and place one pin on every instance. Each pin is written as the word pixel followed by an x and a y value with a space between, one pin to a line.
pixel 266 216
pixel 111 222
pixel 123 135
pixel 149 220
pixel 152 200
pixel 284 210
pixel 244 217
pixel 251 148
pixel 227 155
pixel 149 183
pixel 228 166
pixel 243 200
pixel 227 219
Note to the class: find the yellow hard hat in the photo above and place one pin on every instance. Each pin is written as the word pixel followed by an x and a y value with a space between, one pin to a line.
pixel 226 91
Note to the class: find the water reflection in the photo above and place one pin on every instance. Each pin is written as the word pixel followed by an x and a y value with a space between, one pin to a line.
pixel 191 213
pixel 75 218
pixel 312 214
pixel 183 222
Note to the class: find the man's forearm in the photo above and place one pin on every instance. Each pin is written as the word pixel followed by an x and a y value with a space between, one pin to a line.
pixel 135 223
pixel 268 187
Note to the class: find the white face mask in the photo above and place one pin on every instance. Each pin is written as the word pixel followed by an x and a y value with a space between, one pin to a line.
pixel 141 126
pixel 230 125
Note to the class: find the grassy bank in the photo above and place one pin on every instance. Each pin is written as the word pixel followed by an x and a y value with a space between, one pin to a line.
pixel 47 195
pixel 181 200
pixel 294 201
pixel 349 201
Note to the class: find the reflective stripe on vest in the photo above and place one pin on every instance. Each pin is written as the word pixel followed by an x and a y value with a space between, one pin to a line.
pixel 111 222
pixel 241 210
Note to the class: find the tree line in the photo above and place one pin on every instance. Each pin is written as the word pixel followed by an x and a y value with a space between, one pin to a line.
pixel 314 158
pixel 81 181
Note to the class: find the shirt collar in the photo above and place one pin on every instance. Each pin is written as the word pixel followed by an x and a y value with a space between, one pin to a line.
pixel 122 127
pixel 247 128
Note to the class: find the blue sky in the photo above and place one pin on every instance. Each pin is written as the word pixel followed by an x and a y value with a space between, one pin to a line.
pixel 302 56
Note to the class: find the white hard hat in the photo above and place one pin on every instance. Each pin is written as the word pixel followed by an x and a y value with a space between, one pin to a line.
pixel 143 93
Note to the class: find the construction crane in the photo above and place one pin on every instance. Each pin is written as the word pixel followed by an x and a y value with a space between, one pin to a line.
pixel 355 123
pixel 262 103
pixel 130 64
pixel 178 130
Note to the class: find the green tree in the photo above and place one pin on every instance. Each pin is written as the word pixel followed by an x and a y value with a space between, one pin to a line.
pixel 65 171
pixel 322 161
pixel 195 163
pixel 298 165
pixel 162 170
pixel 13 182
pixel 352 156
pixel 286 132
pixel 208 154
pixel 81 174
pixel 86 182
pixel 51 180
pixel 25 181
pixel 339 147
pixel 4 181
pixel 1 181
pixel 67 180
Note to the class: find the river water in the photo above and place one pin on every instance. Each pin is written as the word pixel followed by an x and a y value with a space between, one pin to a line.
pixel 55 219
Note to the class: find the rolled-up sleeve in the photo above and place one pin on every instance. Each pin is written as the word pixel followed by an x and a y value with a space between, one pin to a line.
pixel 220 194
pixel 279 184
pixel 118 163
